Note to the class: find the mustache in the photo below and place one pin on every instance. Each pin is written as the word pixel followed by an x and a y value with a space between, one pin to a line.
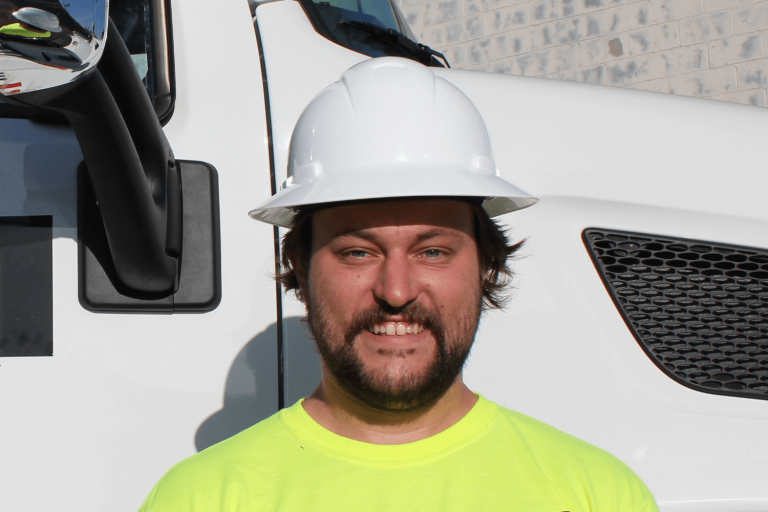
pixel 412 313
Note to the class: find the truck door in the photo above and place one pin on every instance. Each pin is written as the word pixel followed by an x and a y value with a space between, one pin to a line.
pixel 96 405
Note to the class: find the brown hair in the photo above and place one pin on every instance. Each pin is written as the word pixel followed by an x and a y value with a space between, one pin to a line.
pixel 494 248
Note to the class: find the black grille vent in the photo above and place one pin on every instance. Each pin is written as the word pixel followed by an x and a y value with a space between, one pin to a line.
pixel 698 309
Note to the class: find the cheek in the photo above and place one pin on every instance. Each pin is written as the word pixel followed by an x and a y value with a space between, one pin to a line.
pixel 342 290
pixel 455 288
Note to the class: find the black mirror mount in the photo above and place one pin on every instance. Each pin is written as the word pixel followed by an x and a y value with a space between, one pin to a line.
pixel 144 221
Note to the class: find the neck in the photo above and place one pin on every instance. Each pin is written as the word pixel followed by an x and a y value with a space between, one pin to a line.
pixel 341 413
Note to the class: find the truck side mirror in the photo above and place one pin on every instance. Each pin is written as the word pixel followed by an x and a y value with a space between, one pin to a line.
pixel 148 230
pixel 47 48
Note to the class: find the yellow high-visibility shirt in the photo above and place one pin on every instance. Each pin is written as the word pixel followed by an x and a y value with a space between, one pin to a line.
pixel 15 29
pixel 493 459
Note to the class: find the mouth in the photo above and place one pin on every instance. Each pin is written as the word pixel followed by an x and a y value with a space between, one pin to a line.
pixel 395 328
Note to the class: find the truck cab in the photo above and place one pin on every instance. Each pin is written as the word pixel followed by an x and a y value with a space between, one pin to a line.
pixel 639 319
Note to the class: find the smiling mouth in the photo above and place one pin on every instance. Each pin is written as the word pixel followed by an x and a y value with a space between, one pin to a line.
pixel 396 328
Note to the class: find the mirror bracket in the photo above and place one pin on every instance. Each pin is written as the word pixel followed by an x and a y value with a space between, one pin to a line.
pixel 199 282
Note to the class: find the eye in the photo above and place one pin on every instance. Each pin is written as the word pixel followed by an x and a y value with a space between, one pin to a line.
pixel 432 253
pixel 357 254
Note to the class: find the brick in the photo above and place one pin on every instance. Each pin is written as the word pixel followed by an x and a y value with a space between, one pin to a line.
pixel 473 7
pixel 750 18
pixel 653 39
pixel 632 70
pixel 594 75
pixel 485 50
pixel 605 49
pixel 721 5
pixel 710 82
pixel 717 5
pixel 477 51
pixel 499 46
pixel 442 11
pixel 542 36
pixel 754 98
pixel 478 6
pixel 671 85
pixel 557 59
pixel 671 10
pixel 475 26
pixel 465 29
pixel 456 55
pixel 626 17
pixel 414 17
pixel 521 65
pixel 578 28
pixel 584 6
pixel 682 60
pixel 519 41
pixel 730 50
pixel 542 11
pixel 506 19
pixel 432 36
pixel 753 75
pixel 532 38
pixel 705 28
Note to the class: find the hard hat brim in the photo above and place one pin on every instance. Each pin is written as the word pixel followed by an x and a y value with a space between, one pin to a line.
pixel 500 196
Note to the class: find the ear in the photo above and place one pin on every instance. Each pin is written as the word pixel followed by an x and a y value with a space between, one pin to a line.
pixel 300 273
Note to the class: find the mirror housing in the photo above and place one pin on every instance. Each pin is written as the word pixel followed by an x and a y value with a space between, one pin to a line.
pixel 46 48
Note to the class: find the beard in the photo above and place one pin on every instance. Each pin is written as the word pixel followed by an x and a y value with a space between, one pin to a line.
pixel 404 390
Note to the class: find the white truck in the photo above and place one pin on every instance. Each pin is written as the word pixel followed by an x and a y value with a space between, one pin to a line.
pixel 139 323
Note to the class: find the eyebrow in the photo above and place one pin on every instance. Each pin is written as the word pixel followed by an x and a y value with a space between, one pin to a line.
pixel 369 236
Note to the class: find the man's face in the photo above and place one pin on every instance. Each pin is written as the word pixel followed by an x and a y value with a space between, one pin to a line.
pixel 394 298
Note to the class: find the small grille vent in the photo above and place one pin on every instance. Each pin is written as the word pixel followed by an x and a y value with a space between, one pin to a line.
pixel 698 309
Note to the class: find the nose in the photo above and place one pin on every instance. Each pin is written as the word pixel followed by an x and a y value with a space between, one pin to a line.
pixel 396 283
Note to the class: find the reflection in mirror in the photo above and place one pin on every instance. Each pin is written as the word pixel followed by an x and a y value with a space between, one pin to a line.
pixel 47 43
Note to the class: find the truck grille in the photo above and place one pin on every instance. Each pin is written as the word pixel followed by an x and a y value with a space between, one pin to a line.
pixel 698 309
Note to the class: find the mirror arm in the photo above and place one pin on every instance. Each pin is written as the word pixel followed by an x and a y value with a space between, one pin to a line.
pixel 132 169
pixel 154 150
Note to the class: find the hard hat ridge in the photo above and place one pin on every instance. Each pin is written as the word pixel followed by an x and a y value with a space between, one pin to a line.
pixel 390 128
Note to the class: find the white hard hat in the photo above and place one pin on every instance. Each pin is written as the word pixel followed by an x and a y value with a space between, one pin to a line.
pixel 38 18
pixel 389 128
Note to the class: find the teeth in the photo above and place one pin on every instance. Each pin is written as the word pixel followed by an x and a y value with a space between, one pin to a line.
pixel 396 329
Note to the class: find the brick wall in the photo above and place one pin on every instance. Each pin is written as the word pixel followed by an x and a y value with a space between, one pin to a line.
pixel 707 48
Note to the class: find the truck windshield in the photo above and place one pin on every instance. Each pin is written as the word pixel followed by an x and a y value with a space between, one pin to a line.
pixel 375 28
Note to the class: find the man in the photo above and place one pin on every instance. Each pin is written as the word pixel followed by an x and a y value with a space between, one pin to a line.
pixel 391 184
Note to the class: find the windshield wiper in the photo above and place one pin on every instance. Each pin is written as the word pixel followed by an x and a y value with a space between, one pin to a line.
pixel 421 52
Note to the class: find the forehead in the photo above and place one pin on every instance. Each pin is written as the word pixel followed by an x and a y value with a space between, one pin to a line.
pixel 406 216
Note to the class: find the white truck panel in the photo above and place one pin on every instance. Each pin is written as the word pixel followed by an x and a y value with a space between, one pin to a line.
pixel 124 397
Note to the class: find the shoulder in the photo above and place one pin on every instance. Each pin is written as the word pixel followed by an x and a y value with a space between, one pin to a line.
pixel 574 464
pixel 197 483
pixel 543 438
